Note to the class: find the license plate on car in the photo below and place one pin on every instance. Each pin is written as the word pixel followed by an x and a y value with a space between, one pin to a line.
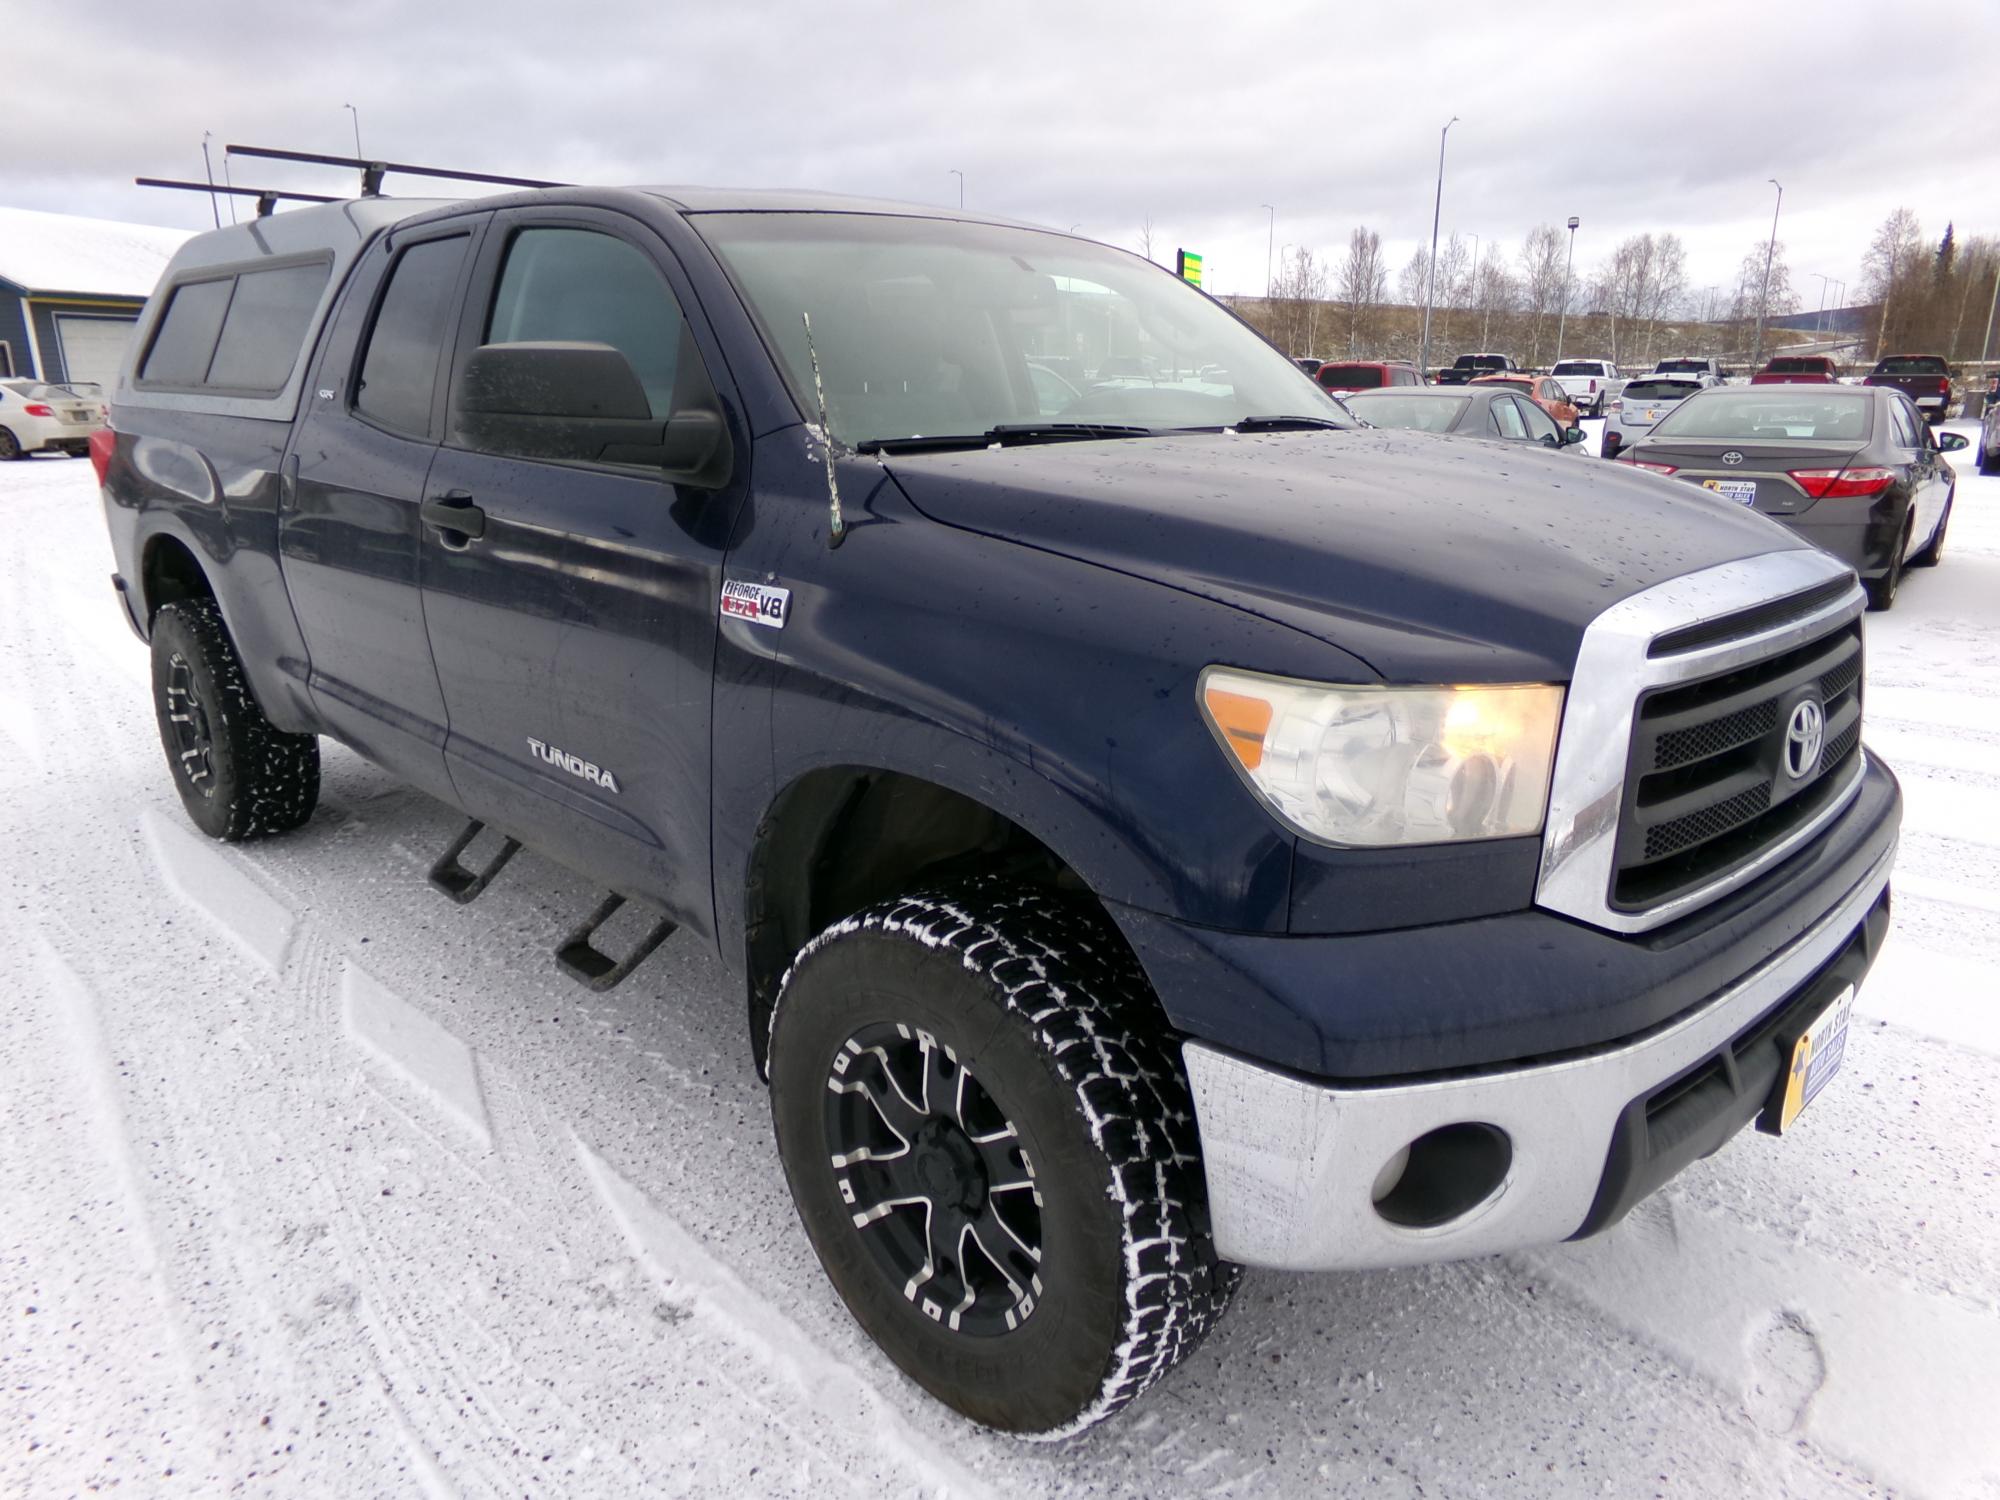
pixel 1742 491
pixel 1815 1057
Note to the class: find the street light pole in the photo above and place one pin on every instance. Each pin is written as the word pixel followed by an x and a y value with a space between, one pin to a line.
pixel 1819 318
pixel 209 167
pixel 1270 238
pixel 1562 313
pixel 961 184
pixel 1764 299
pixel 357 128
pixel 1430 281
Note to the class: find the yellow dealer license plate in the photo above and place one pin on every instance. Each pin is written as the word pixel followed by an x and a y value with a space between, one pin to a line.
pixel 1742 491
pixel 1816 1057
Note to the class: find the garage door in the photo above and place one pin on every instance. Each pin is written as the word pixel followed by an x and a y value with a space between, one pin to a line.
pixel 94 348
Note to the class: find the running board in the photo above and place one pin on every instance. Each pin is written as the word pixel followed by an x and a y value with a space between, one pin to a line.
pixel 595 969
pixel 451 876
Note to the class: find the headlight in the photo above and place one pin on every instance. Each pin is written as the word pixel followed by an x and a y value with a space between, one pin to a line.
pixel 1389 765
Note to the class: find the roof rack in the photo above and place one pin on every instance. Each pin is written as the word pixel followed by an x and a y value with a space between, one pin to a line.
pixel 372 172
pixel 267 198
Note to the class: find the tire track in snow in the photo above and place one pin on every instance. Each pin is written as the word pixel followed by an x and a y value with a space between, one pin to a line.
pixel 221 888
pixel 833 1392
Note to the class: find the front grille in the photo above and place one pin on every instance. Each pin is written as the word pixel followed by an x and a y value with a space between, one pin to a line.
pixel 1707 790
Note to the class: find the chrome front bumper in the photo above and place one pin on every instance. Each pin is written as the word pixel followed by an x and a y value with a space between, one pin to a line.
pixel 1292 1165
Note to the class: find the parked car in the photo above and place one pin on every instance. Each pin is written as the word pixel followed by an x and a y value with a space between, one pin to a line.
pixel 1366 375
pixel 1591 384
pixel 40 418
pixel 1645 399
pixel 1477 410
pixel 1180 833
pixel 1989 437
pixel 1308 364
pixel 1708 371
pixel 1468 367
pixel 1924 378
pixel 1544 390
pixel 1798 369
pixel 1853 470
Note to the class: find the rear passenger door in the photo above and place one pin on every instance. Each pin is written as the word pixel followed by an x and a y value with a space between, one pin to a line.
pixel 350 534
pixel 1916 446
pixel 574 634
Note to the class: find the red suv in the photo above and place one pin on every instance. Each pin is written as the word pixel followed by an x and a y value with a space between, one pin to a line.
pixel 1798 369
pixel 1366 375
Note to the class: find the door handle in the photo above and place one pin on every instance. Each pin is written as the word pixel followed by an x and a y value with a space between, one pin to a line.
pixel 453 512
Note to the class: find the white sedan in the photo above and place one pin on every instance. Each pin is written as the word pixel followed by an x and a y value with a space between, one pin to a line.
pixel 38 418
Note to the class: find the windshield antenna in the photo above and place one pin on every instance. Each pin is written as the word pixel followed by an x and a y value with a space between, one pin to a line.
pixel 838 531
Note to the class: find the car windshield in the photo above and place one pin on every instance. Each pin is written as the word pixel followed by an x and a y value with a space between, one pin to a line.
pixel 1421 413
pixel 1352 377
pixel 1915 366
pixel 1681 366
pixel 1797 366
pixel 925 328
pixel 1749 414
pixel 1578 367
pixel 1659 390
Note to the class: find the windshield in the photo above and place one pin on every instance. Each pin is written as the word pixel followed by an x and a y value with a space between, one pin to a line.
pixel 1771 411
pixel 1421 413
pixel 1578 367
pixel 928 327
pixel 1797 367
pixel 1681 366
pixel 1351 377
pixel 1659 390
pixel 1916 366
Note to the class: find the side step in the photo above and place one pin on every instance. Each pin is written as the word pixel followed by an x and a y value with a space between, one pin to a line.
pixel 597 970
pixel 455 880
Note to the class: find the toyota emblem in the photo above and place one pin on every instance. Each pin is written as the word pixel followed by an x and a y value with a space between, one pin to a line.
pixel 1732 457
pixel 1805 734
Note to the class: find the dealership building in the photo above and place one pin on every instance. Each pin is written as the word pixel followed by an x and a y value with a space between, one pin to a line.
pixel 71 290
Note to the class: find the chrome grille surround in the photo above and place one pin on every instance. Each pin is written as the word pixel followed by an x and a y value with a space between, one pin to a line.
pixel 1616 665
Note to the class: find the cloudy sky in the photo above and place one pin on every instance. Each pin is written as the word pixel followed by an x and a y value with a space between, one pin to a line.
pixel 1643 116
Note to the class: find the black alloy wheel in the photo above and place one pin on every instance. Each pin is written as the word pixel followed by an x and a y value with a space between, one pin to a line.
pixel 935 1174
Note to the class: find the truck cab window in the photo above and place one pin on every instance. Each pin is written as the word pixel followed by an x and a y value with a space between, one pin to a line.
pixel 579 286
pixel 399 365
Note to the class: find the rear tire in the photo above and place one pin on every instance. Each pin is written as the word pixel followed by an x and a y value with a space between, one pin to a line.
pixel 1882 591
pixel 1933 552
pixel 1035 1281
pixel 10 447
pixel 239 777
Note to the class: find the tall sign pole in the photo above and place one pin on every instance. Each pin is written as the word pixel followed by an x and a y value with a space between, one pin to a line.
pixel 1430 281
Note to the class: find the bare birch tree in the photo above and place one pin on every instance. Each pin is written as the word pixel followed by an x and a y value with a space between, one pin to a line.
pixel 1361 284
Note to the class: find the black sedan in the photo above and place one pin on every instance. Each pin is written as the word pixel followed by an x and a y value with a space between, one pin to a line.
pixel 1465 410
pixel 1852 469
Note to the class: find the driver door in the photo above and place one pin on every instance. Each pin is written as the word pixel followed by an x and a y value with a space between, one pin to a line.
pixel 572 602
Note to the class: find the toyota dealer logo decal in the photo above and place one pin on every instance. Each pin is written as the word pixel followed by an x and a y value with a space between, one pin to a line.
pixel 1732 457
pixel 1804 736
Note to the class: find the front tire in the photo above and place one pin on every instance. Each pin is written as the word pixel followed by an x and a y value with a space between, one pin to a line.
pixel 990 1141
pixel 239 776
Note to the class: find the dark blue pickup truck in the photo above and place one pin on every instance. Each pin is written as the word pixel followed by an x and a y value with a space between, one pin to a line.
pixel 1160 826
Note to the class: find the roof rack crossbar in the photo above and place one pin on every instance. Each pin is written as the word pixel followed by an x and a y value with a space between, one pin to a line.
pixel 372 172
pixel 267 198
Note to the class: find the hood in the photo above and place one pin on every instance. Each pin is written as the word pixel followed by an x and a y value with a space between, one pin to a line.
pixel 1431 558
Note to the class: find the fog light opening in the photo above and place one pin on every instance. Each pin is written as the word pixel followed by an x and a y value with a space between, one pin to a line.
pixel 1443 1175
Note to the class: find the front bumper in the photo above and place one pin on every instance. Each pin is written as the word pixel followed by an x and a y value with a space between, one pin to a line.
pixel 1294 1165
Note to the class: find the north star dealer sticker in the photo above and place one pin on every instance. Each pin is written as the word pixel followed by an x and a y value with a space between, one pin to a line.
pixel 756 603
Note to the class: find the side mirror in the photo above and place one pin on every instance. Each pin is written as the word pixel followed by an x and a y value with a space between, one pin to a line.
pixel 1952 442
pixel 1572 436
pixel 584 402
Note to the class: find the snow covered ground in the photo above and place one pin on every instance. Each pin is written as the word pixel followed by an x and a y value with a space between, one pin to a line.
pixel 315 1184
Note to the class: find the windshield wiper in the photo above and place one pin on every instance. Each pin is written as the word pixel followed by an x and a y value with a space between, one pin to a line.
pixel 1007 435
pixel 1286 424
